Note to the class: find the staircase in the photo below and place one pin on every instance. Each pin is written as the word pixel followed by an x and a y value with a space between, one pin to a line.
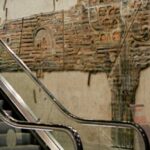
pixel 15 139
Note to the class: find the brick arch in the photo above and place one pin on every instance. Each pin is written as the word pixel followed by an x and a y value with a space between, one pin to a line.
pixel 44 39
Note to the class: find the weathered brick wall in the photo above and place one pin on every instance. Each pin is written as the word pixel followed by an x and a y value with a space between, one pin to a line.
pixel 110 36
pixel 21 33
pixel 78 43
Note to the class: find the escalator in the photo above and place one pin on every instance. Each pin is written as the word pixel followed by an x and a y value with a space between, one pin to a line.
pixel 20 138
pixel 19 135
pixel 95 134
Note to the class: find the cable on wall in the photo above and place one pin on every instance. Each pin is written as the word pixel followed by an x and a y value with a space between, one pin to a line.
pixel 4 6
pixel 54 5
pixel 5 9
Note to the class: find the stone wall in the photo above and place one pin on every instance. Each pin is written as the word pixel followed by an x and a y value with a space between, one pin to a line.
pixel 74 41
pixel 94 36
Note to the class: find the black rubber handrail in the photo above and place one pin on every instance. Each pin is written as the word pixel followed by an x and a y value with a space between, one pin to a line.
pixel 43 127
pixel 108 123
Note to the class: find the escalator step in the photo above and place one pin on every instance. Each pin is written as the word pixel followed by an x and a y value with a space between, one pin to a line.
pixel 4 127
pixel 1 103
pixel 22 147
pixel 21 139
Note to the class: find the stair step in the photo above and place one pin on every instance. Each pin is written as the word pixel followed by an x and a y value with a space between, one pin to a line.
pixel 1 103
pixel 21 139
pixel 22 147
pixel 4 127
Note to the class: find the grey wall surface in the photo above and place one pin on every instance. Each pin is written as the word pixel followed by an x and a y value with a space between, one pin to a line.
pixel 23 8
pixel 143 98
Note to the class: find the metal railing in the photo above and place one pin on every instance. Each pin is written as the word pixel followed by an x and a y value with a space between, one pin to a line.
pixel 42 127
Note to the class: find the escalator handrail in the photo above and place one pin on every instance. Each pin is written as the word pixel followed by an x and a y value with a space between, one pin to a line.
pixel 109 123
pixel 75 137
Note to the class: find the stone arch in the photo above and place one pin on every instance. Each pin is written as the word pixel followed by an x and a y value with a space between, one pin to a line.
pixel 44 40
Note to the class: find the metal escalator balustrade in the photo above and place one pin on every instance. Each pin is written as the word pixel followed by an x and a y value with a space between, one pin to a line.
pixel 17 139
pixel 17 135
pixel 24 111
